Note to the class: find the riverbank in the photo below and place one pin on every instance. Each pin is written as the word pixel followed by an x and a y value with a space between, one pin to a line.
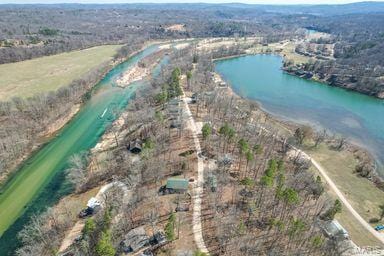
pixel 42 138
pixel 142 70
pixel 364 196
pixel 329 80
pixel 296 65
pixel 54 126
pixel 78 136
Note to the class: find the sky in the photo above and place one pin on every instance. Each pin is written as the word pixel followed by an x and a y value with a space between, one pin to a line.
pixel 187 1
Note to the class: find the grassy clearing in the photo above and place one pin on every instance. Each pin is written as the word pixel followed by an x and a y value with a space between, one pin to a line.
pixel 286 49
pixel 26 78
pixel 360 192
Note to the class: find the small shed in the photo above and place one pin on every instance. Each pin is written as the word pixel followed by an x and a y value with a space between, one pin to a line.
pixel 177 185
pixel 135 240
pixel 135 146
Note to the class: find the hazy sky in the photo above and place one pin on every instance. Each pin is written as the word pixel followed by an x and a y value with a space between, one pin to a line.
pixel 189 1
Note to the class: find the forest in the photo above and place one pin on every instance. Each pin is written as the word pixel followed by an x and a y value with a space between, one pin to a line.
pixel 260 195
pixel 29 31
pixel 257 206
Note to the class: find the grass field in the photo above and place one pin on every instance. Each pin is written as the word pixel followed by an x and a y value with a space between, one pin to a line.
pixel 360 192
pixel 286 49
pixel 26 78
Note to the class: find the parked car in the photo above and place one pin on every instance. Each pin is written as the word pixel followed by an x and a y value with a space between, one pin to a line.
pixel 379 227
pixel 147 252
pixel 93 206
pixel 86 212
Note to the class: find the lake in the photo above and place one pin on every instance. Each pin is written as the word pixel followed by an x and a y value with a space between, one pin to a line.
pixel 358 117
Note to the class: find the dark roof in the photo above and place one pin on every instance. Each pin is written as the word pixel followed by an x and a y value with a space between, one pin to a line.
pixel 135 144
pixel 136 239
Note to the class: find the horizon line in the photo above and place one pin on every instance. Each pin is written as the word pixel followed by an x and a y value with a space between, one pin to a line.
pixel 202 2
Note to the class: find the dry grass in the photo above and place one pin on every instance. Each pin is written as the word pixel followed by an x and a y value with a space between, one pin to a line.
pixel 286 49
pixel 26 78
pixel 360 192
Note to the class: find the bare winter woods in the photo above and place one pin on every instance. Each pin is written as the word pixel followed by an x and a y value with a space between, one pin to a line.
pixel 25 121
pixel 259 196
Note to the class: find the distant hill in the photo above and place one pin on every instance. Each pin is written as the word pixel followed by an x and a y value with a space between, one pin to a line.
pixel 328 9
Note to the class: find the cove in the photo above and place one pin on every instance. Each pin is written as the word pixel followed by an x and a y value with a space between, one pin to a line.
pixel 358 117
pixel 40 181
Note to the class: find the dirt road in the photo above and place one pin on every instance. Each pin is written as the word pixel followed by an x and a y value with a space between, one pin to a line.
pixel 198 186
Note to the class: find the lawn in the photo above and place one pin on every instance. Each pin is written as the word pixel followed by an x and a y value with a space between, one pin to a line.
pixel 27 78
pixel 360 192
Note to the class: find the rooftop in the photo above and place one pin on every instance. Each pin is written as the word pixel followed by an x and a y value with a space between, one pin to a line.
pixel 177 183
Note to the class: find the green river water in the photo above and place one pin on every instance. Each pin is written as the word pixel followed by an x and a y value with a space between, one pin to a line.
pixel 358 117
pixel 40 182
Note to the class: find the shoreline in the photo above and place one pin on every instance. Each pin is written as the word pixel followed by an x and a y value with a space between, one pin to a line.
pixel 338 188
pixel 45 137
pixel 352 146
pixel 376 177
pixel 13 171
pixel 379 96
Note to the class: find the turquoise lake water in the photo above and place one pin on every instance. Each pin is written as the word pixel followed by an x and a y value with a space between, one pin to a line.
pixel 358 117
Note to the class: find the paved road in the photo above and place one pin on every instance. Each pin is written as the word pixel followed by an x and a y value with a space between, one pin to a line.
pixel 198 186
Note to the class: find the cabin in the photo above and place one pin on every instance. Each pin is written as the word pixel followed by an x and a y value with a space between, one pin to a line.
pixel 174 186
pixel 158 239
pixel 134 240
pixel 194 98
pixel 177 185
pixel 174 112
pixel 135 146
pixel 333 229
pixel 212 182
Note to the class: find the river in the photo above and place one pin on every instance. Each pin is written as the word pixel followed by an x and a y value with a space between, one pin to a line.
pixel 40 181
pixel 358 117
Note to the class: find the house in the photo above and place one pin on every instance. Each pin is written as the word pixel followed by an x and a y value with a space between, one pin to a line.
pixel 135 146
pixel 158 239
pixel 177 185
pixel 212 181
pixel 134 240
pixel 333 229
pixel 194 98
pixel 174 186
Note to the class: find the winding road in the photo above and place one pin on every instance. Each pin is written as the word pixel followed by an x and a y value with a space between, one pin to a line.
pixel 344 200
pixel 337 191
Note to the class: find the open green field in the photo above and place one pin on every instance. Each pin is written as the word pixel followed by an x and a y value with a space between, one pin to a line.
pixel 26 78
pixel 360 192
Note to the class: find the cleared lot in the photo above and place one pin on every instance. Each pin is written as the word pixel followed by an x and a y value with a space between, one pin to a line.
pixel 26 78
